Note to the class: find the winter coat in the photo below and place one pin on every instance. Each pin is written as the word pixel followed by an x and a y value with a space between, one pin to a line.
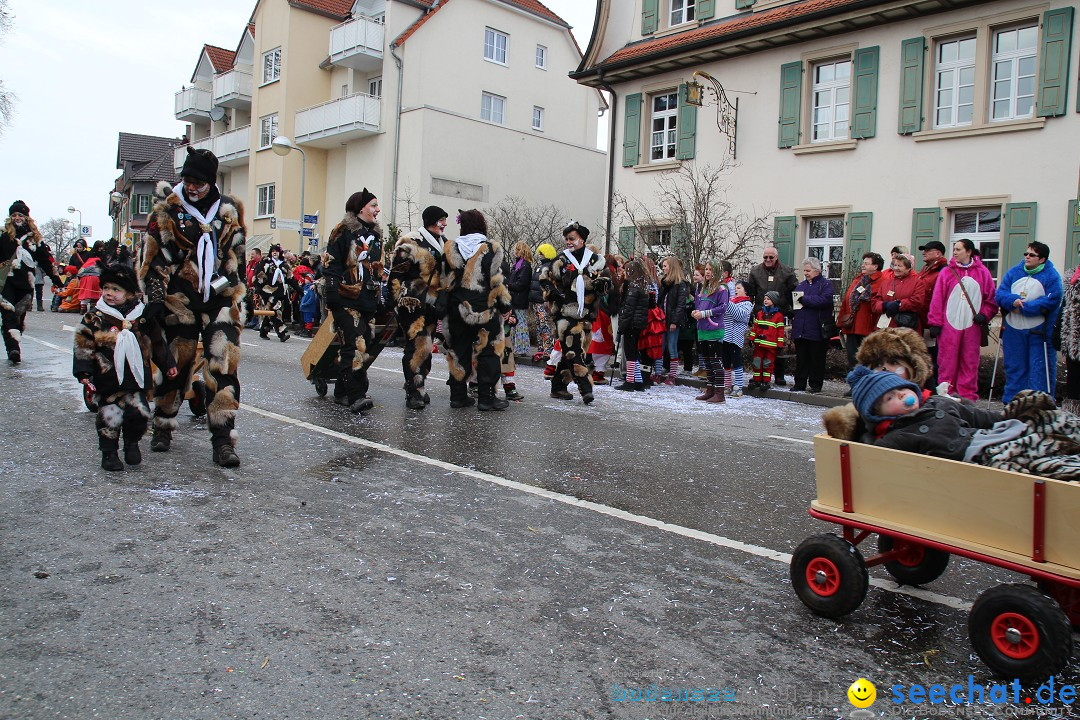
pixel 416 271
pixel 633 309
pixel 672 301
pixel 942 427
pixel 536 292
pixel 69 296
pixel 95 341
pixel 20 280
pixel 710 326
pixel 909 291
pixel 559 281
pixel 865 317
pixel 520 284
pixel 475 287
pixel 737 315
pixel 781 279
pixel 929 275
pixel 814 308
pixel 1042 299
pixel 949 308
pixel 768 329
pixel 352 265
pixel 309 301
pixel 90 280
pixel 1070 321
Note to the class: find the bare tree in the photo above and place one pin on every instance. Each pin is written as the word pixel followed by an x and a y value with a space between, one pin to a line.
pixel 513 219
pixel 59 235
pixel 407 203
pixel 7 98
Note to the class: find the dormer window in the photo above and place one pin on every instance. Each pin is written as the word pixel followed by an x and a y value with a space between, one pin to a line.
pixel 682 11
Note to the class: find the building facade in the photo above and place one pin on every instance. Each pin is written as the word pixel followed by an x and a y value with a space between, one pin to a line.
pixel 144 161
pixel 457 103
pixel 861 125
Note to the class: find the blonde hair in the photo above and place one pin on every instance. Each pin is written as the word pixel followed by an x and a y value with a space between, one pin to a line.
pixel 674 274
pixel 522 250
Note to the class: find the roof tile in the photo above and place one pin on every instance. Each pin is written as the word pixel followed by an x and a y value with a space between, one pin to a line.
pixel 337 8
pixel 140 148
pixel 533 6
pixel 222 59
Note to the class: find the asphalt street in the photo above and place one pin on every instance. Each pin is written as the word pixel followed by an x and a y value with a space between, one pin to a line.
pixel 441 563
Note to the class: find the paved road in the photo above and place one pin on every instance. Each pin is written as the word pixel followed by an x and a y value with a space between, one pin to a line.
pixel 435 564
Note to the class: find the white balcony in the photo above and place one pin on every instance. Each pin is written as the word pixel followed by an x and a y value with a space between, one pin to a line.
pixel 358 44
pixel 231 148
pixel 338 121
pixel 192 105
pixel 233 89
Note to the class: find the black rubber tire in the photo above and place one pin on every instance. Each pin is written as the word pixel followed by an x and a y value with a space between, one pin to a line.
pixel 928 569
pixel 841 580
pixel 88 399
pixel 1043 626
pixel 320 387
pixel 197 403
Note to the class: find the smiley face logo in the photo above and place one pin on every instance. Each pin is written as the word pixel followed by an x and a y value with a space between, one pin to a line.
pixel 862 693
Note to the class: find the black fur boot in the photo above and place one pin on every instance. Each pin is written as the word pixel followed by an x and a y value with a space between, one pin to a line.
pixel 161 440
pixel 487 400
pixel 132 454
pixel 225 456
pixel 110 460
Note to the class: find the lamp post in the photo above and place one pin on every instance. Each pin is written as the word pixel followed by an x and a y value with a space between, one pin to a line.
pixel 73 209
pixel 283 146
pixel 118 199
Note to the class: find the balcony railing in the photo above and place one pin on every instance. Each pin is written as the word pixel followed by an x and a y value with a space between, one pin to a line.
pixel 233 89
pixel 357 44
pixel 231 148
pixel 350 117
pixel 192 105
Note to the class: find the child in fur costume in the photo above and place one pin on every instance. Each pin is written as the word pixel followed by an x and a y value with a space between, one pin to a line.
pixel 113 346
pixel 1030 436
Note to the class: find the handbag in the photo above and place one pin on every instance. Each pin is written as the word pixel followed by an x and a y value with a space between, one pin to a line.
pixel 846 320
pixel 906 318
pixel 984 330
pixel 829 329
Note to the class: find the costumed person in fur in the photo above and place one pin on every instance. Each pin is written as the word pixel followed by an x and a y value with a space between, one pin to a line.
pixel 1030 296
pixel 415 285
pixel 113 348
pixel 191 269
pixel 352 268
pixel 1030 436
pixel 1070 342
pixel 272 286
pixel 477 300
pixel 573 284
pixel 22 252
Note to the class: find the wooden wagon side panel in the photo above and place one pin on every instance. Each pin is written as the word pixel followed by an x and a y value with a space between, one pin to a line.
pixel 1062 544
pixel 323 339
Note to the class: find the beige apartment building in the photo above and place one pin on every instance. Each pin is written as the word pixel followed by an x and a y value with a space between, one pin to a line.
pixel 456 103
pixel 861 124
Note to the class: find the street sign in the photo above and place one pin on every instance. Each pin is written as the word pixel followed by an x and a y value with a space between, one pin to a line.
pixel 283 224
pixel 312 219
pixel 85 231
pixel 313 242
pixel 308 232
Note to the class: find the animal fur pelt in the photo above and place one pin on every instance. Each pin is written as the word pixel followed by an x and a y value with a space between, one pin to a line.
pixel 477 291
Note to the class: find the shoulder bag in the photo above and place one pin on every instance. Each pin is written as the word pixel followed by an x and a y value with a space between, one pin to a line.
pixel 984 330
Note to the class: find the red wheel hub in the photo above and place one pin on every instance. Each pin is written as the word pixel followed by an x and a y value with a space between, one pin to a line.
pixel 822 576
pixel 910 555
pixel 1014 635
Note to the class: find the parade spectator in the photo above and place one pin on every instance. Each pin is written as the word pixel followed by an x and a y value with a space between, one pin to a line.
pixel 79 254
pixel 674 293
pixel 710 302
pixel 901 296
pixel 250 299
pixel 545 253
pixel 39 285
pixel 961 307
pixel 21 245
pixel 771 274
pixel 651 341
pixel 272 286
pixel 1070 342
pixel 813 307
pixel 602 346
pixel 1030 297
pixel 726 276
pixel 934 261
pixel 520 285
pixel 69 294
pixel 856 317
pixel 698 279
pixel 633 316
pixel 767 335
pixel 737 314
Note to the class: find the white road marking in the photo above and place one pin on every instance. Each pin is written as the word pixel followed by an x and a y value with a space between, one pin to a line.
pixel 790 439
pixel 69 328
pixel 248 344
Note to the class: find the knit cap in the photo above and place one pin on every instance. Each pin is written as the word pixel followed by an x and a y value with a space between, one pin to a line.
pixel 868 386
pixel 774 296
pixel 547 251
pixel 433 214
pixel 19 207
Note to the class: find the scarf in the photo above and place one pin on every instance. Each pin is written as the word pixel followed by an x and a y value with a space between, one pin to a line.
pixel 1075 275
pixel 207 250
pixel 858 297
pixel 24 258
pixel 432 240
pixel 127 350
pixel 579 284
pixel 1035 270
pixel 278 274
pixel 469 244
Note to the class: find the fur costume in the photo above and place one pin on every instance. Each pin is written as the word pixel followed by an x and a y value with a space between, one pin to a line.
pixel 273 295
pixel 1025 331
pixel 958 344
pixel 168 274
pixel 24 251
pixel 415 284
pixel 573 326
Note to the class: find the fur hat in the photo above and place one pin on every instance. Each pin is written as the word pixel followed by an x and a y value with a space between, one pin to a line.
pixel 120 275
pixel 19 207
pixel 275 247
pixel 547 251
pixel 200 164
pixel 358 201
pixel 575 225
pixel 897 346
pixel 868 386
pixel 433 214
pixel 774 297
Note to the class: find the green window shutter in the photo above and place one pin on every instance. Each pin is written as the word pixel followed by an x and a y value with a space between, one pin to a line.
pixel 925 226
pixel 864 72
pixel 1053 96
pixel 784 238
pixel 649 16
pixel 859 227
pixel 790 103
pixel 1072 239
pixel 687 130
pixel 626 241
pixel 1017 232
pixel 631 130
pixel 912 53
pixel 706 9
pixel 744 4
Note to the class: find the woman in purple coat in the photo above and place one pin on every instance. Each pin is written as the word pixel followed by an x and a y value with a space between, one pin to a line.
pixel 813 307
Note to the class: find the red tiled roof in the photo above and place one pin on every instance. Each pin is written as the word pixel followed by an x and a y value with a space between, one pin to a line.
pixel 533 6
pixel 719 30
pixel 336 8
pixel 251 28
pixel 222 59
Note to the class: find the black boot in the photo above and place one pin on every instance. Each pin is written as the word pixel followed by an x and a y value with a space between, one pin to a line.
pixel 283 334
pixel 265 332
pixel 225 456
pixel 486 399
pixel 414 400
pixel 360 405
pixel 459 395
pixel 110 460
pixel 161 440
pixel 559 392
pixel 14 356
pixel 132 454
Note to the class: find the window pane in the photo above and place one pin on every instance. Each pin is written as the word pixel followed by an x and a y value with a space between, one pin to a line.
pixel 967 76
pixel 1028 36
pixel 1024 106
pixel 836 228
pixel 843 70
pixel 1027 66
pixel 841 113
pixel 816 251
pixel 1006 41
pixel 818 228
pixel 843 94
pixel 945 97
pixel 964 114
pixel 967 94
pixel 964 222
pixel 1002 69
pixel 944 116
pixel 989 221
pixel 988 250
pixel 967 49
pixel 821 115
pixel 1026 86
pixel 947 52
pixel 836 253
pixel 1001 109
pixel 826 73
pixel 945 79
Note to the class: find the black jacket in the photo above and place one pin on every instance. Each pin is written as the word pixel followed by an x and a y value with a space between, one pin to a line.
pixel 673 302
pixel 942 427
pixel 536 292
pixel 520 285
pixel 634 310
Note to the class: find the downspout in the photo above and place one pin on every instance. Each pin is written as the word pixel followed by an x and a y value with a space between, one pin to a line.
pixel 611 161
pixel 397 130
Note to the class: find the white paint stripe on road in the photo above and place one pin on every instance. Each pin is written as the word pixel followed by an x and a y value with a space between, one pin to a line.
pixel 758 551
pixel 791 439
pixel 248 344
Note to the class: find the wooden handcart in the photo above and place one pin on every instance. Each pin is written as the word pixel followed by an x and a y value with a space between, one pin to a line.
pixel 320 361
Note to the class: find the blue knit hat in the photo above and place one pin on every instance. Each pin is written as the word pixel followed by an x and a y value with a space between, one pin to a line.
pixel 868 386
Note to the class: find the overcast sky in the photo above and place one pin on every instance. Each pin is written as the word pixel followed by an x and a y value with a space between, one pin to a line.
pixel 85 71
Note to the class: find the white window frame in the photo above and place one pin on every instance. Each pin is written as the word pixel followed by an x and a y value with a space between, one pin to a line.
pixel 1013 59
pixel 488 104
pixel 658 239
pixel 981 240
pixel 268 125
pixel 830 99
pixel 492 51
pixel 826 244
pixel 538 118
pixel 345 90
pixel 275 66
pixel 541 57
pixel 955 85
pixel 374 86
pixel 266 200
pixel 682 11
pixel 144 202
pixel 668 136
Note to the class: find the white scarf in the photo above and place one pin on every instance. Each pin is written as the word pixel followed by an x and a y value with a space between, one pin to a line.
pixel 468 244
pixel 23 258
pixel 362 255
pixel 580 284
pixel 432 240
pixel 206 253
pixel 278 275
pixel 127 350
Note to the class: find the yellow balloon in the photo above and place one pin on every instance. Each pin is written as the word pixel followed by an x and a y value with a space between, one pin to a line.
pixel 862 693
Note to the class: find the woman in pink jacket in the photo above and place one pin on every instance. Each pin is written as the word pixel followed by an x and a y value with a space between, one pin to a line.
pixel 964 284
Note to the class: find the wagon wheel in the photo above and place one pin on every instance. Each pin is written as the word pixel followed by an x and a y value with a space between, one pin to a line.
pixel 88 399
pixel 829 575
pixel 1020 633
pixel 320 386
pixel 916 565
pixel 197 402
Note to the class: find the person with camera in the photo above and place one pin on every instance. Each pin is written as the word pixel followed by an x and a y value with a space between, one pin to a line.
pixel 191 271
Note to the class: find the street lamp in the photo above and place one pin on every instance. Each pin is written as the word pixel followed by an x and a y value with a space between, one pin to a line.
pixel 283 146
pixel 118 198
pixel 73 209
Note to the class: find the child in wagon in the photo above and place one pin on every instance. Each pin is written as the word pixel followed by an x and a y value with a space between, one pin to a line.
pixel 1029 436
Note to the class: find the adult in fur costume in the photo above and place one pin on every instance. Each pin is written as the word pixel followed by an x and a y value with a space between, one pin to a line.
pixel 898 350
pixel 415 284
pixel 1070 342
pixel 191 268
pixel 352 265
pixel 477 299
pixel 22 252
pixel 271 285
pixel 573 284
